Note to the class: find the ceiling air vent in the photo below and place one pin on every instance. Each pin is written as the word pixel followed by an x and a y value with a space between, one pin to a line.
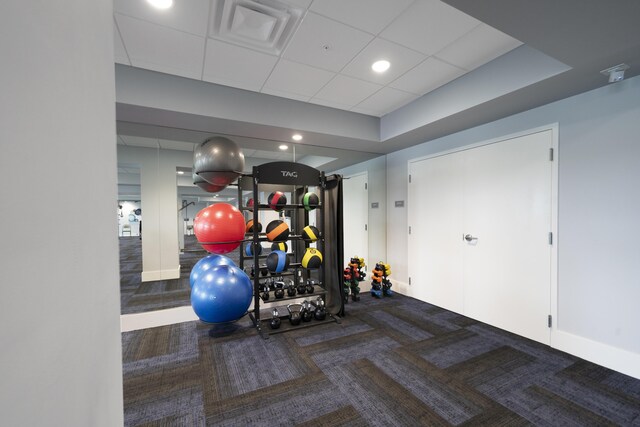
pixel 265 25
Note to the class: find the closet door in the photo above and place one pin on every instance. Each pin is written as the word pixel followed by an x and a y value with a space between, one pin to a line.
pixel 435 217
pixel 507 220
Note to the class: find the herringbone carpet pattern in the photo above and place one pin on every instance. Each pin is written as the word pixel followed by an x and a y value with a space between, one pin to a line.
pixel 391 362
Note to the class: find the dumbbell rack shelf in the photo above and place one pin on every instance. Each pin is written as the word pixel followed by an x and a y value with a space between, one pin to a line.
pixel 297 177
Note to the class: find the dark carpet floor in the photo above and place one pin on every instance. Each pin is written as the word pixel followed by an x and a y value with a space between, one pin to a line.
pixel 137 297
pixel 391 362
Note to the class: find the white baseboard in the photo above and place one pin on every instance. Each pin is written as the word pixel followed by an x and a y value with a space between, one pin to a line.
pixel 152 319
pixel 606 355
pixel 150 276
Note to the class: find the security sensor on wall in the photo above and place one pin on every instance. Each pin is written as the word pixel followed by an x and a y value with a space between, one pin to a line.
pixel 615 73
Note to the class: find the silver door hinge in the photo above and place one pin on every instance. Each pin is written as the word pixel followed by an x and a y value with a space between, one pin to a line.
pixel 549 320
pixel 409 229
pixel 409 280
pixel 551 154
pixel 550 238
pixel 365 227
pixel 365 185
pixel 409 178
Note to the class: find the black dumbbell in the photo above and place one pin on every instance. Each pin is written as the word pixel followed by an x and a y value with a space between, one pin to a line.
pixel 274 323
pixel 294 313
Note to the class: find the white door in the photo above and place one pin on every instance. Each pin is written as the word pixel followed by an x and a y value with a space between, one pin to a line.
pixel 435 216
pixel 500 196
pixel 355 215
pixel 507 205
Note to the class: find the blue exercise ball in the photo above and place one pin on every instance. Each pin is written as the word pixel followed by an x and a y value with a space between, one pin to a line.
pixel 222 294
pixel 206 264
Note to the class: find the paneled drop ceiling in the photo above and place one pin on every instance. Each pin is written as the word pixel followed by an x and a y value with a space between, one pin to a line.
pixel 318 52
pixel 260 70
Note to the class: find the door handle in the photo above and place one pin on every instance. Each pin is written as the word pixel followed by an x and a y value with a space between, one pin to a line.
pixel 469 238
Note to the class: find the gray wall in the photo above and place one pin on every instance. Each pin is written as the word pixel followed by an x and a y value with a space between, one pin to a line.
pixel 598 256
pixel 60 363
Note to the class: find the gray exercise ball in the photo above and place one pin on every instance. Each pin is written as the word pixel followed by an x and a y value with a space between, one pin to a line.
pixel 218 160
pixel 207 186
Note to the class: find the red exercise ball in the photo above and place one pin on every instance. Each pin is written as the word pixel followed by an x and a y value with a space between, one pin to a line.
pixel 221 222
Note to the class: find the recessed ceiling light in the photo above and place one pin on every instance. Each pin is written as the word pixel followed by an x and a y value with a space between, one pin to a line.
pixel 283 147
pixel 297 137
pixel 381 66
pixel 161 4
pixel 180 172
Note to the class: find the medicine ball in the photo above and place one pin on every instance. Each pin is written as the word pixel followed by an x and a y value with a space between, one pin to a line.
pixel 277 231
pixel 250 247
pixel 312 258
pixel 310 233
pixel 280 246
pixel 277 261
pixel 310 201
pixel 249 227
pixel 277 200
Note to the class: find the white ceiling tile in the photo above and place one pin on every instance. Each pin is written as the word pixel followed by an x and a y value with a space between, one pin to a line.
pixel 386 100
pixel 347 90
pixel 285 94
pixel 236 66
pixel 428 26
pixel 477 47
pixel 298 78
pixel 317 32
pixel 159 48
pixel 190 16
pixel 371 16
pixel 119 52
pixel 429 75
pixel 332 104
pixel 401 59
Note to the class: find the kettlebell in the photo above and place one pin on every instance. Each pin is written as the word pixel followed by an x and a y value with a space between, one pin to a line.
pixel 265 295
pixel 294 313
pixel 291 290
pixel 278 293
pixel 306 313
pixel 309 288
pixel 320 313
pixel 301 288
pixel 275 320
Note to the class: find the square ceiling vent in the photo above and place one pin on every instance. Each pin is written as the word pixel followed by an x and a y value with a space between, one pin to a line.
pixel 266 25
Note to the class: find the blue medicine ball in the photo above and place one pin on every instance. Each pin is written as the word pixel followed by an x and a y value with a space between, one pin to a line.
pixel 277 261
pixel 222 294
pixel 207 263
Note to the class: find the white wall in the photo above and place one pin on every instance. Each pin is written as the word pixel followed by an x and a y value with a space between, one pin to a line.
pixel 60 363
pixel 376 173
pixel 598 257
